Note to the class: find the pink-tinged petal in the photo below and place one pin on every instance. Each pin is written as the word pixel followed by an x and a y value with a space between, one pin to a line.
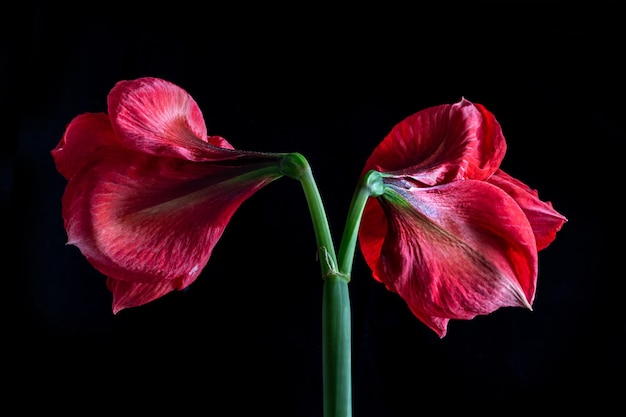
pixel 442 144
pixel 80 144
pixel 157 117
pixel 451 252
pixel 131 294
pixel 543 218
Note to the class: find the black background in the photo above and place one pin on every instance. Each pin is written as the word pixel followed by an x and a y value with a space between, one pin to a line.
pixel 329 83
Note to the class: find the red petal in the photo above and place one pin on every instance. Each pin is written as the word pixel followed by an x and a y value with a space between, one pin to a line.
pixel 441 144
pixel 372 234
pixel 543 218
pixel 130 294
pixel 453 251
pixel 157 117
pixel 82 139
pixel 490 145
pixel 136 204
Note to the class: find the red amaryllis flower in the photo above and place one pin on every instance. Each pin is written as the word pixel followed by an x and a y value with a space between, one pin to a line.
pixel 149 193
pixel 453 234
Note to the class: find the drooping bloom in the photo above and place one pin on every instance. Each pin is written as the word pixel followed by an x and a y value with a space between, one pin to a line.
pixel 149 192
pixel 452 234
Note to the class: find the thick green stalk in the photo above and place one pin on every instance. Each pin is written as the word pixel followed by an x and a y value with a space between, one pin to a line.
pixel 336 348
pixel 336 316
pixel 336 333
pixel 336 308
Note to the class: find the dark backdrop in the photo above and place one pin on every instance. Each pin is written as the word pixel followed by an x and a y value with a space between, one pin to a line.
pixel 245 337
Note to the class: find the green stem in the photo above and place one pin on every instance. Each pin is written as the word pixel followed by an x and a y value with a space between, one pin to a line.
pixel 296 166
pixel 336 343
pixel 371 184
pixel 336 348
pixel 336 317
